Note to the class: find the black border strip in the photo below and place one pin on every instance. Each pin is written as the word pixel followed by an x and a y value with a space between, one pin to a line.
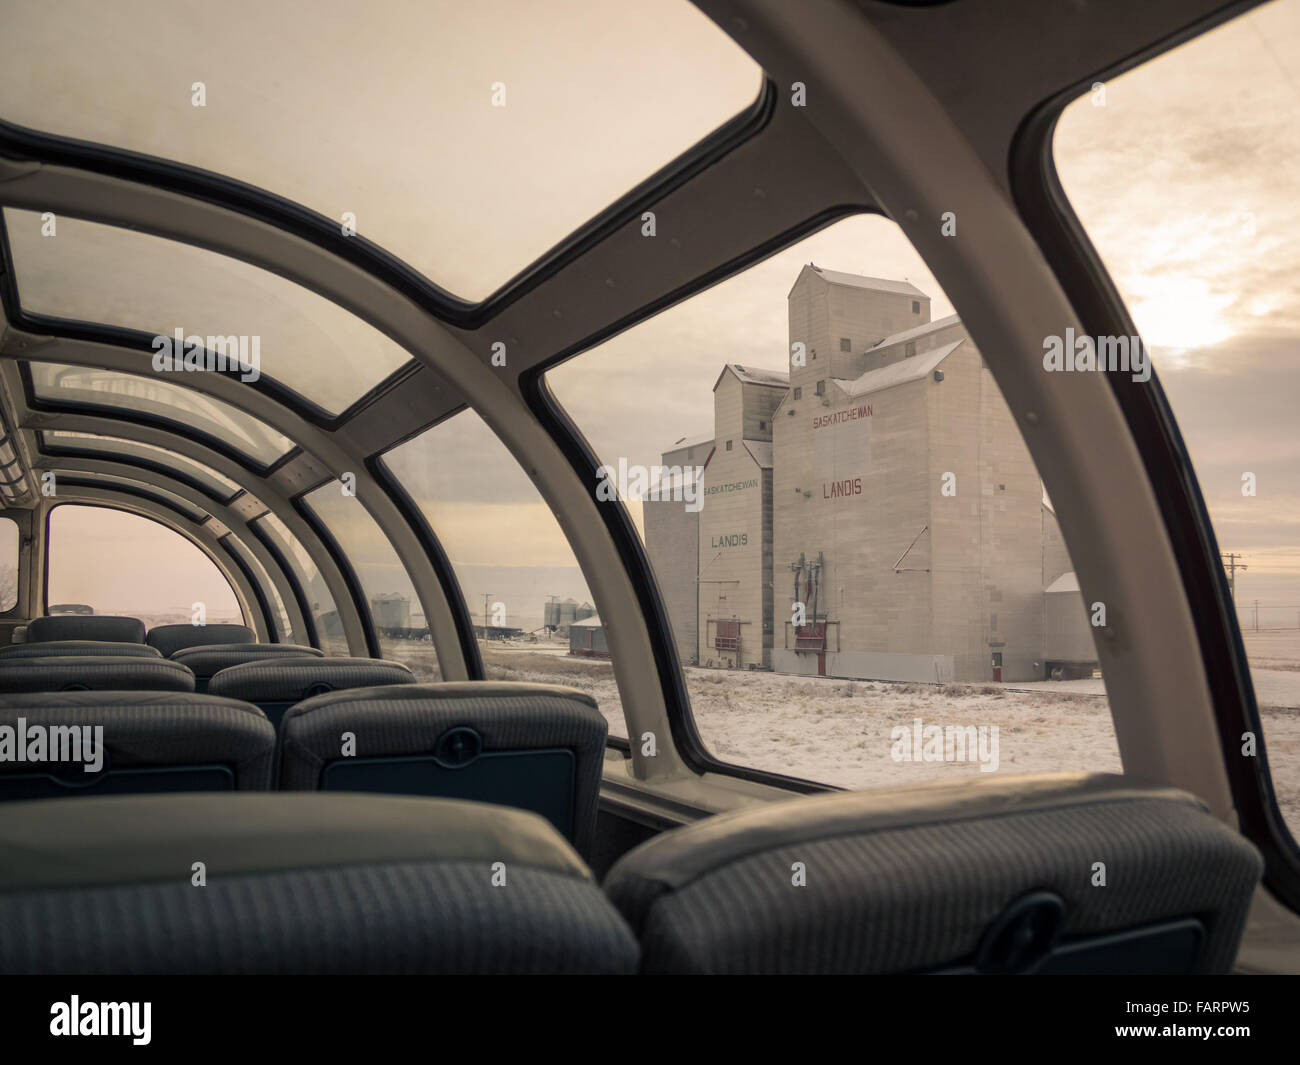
pixel 153 421
pixel 1047 213
pixel 79 479
pixel 258 592
pixel 51 450
pixel 437 557
pixel 138 340
pixel 331 545
pixel 582 458
pixel 290 575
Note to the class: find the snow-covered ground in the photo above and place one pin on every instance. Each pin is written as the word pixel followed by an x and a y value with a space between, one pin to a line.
pixel 842 732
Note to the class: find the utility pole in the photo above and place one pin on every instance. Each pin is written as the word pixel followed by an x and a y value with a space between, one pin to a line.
pixel 1233 566
pixel 1257 615
pixel 487 621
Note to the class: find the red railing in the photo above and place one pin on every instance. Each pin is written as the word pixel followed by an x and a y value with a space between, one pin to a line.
pixel 810 637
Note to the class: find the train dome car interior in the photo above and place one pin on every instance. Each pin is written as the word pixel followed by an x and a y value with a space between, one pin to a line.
pixel 664 487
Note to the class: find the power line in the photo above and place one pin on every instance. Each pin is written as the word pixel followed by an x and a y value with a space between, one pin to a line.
pixel 1233 566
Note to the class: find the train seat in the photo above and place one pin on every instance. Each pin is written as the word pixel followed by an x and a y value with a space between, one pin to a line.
pixel 85 627
pixel 52 648
pixel 305 883
pixel 169 639
pixel 133 742
pixel 207 660
pixel 61 673
pixel 276 684
pixel 1044 873
pixel 535 746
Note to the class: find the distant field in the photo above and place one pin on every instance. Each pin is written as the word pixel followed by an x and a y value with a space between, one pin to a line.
pixel 839 732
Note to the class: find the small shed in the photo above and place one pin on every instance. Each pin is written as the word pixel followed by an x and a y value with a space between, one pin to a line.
pixel 587 638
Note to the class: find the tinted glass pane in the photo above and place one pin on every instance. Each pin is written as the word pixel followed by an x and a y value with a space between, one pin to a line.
pixel 1183 173
pixel 8 564
pixel 220 486
pixel 851 539
pixel 56 383
pixel 465 138
pixel 178 503
pixel 394 606
pixel 280 616
pixel 157 575
pixel 261 323
pixel 514 565
pixel 329 630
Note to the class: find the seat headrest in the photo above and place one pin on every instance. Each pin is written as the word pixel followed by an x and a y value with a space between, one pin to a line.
pixel 142 839
pixel 681 856
pixel 171 638
pixel 85 627
pixel 207 660
pixel 154 728
pixel 294 679
pixel 51 648
pixel 95 673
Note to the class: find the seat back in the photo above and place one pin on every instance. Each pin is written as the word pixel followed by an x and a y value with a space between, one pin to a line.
pixel 61 673
pixel 206 660
pixel 534 746
pixel 53 648
pixel 1056 873
pixel 90 743
pixel 85 627
pixel 276 684
pixel 330 884
pixel 169 639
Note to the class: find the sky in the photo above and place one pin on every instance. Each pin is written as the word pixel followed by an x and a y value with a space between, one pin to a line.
pixel 1186 180
pixel 137 567
pixel 389 111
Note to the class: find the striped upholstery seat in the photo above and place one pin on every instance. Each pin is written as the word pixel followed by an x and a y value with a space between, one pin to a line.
pixel 997 874
pixel 298 884
pixel 61 673
pixel 276 684
pixel 207 660
pixel 152 742
pixel 535 746
pixel 85 627
pixel 51 648
pixel 169 639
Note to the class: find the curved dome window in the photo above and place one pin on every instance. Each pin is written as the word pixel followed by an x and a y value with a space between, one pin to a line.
pixel 157 575
pixel 467 139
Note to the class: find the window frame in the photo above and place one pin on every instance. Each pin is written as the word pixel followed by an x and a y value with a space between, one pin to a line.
pixel 44 604
pixel 293 219
pixel 139 340
pixel 290 572
pixel 22 561
pixel 75 449
pixel 130 416
pixel 1043 207
pixel 568 437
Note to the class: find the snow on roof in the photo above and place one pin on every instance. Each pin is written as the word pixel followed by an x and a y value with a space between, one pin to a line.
pixel 761 450
pixel 592 622
pixel 898 373
pixel 879 284
pixel 917 331
pixel 682 479
pixel 755 376
pixel 1066 582
pixel 689 441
